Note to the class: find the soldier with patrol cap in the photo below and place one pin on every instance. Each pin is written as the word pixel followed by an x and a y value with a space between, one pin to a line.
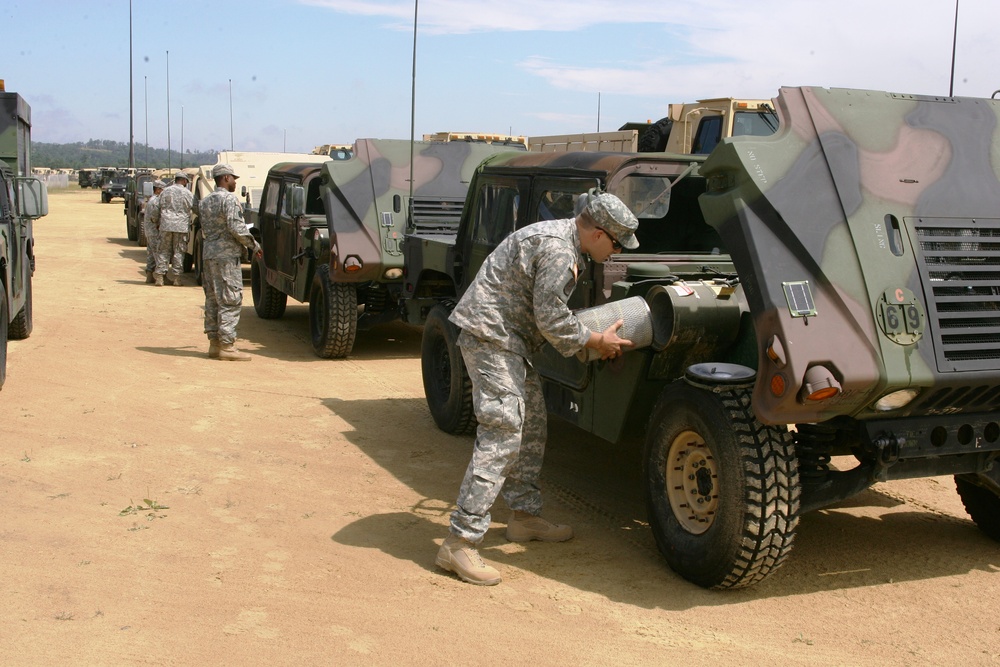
pixel 175 219
pixel 151 227
pixel 225 236
pixel 515 304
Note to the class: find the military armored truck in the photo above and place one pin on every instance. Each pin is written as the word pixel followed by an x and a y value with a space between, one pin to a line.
pixel 252 168
pixel 829 291
pixel 135 205
pixel 22 200
pixel 87 178
pixel 332 233
pixel 113 185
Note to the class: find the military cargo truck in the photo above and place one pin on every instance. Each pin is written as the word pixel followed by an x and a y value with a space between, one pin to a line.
pixel 694 128
pixel 332 233
pixel 825 307
pixel 22 200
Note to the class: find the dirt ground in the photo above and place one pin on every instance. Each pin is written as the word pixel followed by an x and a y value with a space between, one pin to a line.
pixel 160 508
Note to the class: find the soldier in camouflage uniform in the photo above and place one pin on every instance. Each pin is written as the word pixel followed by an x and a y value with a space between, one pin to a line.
pixel 516 303
pixel 151 226
pixel 226 235
pixel 175 219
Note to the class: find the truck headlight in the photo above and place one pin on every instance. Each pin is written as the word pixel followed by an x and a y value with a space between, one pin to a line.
pixel 896 399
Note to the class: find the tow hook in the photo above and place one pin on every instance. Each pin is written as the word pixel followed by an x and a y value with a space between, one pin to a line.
pixel 887 446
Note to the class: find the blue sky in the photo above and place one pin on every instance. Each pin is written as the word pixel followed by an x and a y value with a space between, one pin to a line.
pixel 310 72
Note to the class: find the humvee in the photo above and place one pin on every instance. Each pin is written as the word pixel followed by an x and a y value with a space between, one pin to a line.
pixel 22 200
pixel 828 291
pixel 332 233
pixel 135 205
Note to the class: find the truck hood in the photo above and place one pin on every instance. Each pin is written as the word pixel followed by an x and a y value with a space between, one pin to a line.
pixel 866 233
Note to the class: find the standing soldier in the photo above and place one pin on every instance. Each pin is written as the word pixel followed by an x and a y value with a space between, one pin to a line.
pixel 175 219
pixel 151 225
pixel 226 235
pixel 516 303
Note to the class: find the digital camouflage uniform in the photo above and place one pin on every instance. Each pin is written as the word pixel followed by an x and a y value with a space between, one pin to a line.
pixel 516 303
pixel 175 218
pixel 151 226
pixel 225 237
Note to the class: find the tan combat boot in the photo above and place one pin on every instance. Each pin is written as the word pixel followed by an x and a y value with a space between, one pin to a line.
pixel 176 280
pixel 158 280
pixel 149 277
pixel 213 348
pixel 228 352
pixel 523 527
pixel 460 556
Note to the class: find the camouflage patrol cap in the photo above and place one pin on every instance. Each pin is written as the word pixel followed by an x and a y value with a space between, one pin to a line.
pixel 181 174
pixel 158 184
pixel 222 170
pixel 614 217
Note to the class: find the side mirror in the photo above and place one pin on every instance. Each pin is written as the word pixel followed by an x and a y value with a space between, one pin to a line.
pixel 32 197
pixel 147 189
pixel 295 201
pixel 243 191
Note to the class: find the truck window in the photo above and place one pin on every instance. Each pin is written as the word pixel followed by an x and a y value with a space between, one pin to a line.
pixel 679 228
pixel 708 135
pixel 314 202
pixel 755 123
pixel 270 205
pixel 496 213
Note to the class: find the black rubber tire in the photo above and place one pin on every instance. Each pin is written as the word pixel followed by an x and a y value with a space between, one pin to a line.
pixel 197 261
pixel 446 380
pixel 333 315
pixel 23 323
pixel 130 231
pixel 982 505
pixel 749 475
pixel 269 303
pixel 187 263
pixel 105 199
pixel 140 236
pixel 3 336
pixel 654 138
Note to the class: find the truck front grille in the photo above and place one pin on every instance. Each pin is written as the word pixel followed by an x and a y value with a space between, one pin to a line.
pixel 436 214
pixel 959 262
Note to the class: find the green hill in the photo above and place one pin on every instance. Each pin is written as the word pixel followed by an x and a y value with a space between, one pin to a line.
pixel 103 153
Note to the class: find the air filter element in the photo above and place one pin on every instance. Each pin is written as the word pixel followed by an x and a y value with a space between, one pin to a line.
pixel 637 323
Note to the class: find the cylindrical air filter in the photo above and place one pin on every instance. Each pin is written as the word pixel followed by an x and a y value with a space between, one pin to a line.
pixel 637 323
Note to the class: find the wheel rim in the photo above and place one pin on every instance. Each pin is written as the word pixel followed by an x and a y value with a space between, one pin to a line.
pixel 692 481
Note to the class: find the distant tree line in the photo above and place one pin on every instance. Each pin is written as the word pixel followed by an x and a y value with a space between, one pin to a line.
pixel 105 153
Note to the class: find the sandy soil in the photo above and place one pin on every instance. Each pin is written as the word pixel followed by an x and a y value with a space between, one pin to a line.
pixel 289 510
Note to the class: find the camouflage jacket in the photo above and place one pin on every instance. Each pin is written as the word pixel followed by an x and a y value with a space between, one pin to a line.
pixel 518 298
pixel 151 213
pixel 175 209
pixel 225 232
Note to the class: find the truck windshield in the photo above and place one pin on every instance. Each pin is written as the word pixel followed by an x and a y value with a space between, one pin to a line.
pixel 759 123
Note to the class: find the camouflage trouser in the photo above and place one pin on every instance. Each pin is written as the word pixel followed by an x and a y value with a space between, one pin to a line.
pixel 222 280
pixel 171 251
pixel 510 441
pixel 152 246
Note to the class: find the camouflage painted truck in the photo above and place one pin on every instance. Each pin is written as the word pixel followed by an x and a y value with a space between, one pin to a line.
pixel 332 233
pixel 22 200
pixel 829 291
